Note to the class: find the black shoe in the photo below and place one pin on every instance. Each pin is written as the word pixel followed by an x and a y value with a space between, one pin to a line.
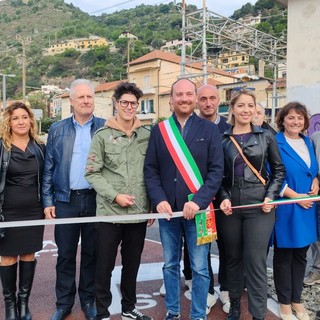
pixel 235 309
pixel 60 314
pixel 90 311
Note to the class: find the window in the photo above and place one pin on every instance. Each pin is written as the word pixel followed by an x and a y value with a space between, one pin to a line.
pixel 147 106
pixel 146 81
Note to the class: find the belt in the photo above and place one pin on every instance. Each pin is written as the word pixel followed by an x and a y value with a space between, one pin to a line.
pixel 241 183
pixel 80 192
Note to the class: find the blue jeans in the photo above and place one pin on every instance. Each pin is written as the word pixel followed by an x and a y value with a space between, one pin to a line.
pixel 171 238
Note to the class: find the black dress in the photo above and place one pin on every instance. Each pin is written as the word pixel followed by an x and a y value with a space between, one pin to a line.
pixel 21 203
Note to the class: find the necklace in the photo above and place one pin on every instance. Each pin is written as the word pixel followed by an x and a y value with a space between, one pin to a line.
pixel 242 137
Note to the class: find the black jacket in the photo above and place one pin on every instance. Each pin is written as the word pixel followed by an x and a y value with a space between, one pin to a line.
pixel 261 149
pixel 37 149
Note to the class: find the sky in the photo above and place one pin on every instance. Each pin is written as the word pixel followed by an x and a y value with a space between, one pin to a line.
pixel 96 7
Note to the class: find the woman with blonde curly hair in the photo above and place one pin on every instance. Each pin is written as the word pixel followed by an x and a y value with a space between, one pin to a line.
pixel 21 167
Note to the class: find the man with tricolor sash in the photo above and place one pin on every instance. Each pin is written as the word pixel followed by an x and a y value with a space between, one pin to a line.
pixel 183 171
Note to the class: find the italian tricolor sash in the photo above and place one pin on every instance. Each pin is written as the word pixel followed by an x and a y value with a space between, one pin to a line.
pixel 185 163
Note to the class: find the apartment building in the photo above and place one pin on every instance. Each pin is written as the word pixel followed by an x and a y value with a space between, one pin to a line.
pixel 81 44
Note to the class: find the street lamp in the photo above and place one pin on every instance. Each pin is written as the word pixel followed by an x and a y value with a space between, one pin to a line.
pixel 4 88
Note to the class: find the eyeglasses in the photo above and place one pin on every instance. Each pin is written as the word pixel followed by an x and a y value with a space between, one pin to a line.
pixel 124 104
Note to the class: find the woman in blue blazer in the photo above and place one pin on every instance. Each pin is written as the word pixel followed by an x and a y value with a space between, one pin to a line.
pixel 295 227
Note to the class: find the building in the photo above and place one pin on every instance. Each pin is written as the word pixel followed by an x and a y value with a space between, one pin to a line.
pixel 80 44
pixel 250 20
pixel 154 74
pixel 174 45
pixel 280 95
pixel 128 35
pixel 229 60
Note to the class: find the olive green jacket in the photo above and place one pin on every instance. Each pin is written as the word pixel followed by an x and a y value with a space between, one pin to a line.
pixel 115 166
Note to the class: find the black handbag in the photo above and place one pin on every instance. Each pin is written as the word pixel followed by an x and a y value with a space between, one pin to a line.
pixel 4 162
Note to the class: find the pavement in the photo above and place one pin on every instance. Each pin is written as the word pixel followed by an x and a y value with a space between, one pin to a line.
pixel 149 301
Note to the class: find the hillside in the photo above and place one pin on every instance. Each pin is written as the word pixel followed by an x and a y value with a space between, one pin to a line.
pixel 41 23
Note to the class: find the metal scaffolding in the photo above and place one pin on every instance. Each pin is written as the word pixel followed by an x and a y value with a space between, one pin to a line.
pixel 212 34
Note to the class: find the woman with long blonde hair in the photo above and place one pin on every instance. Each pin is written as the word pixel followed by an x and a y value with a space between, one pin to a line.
pixel 21 168
pixel 246 231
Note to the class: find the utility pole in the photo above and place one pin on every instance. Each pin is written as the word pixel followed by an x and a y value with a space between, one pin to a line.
pixel 24 42
pixel 128 56
pixel 4 89
pixel 183 30
pixel 204 42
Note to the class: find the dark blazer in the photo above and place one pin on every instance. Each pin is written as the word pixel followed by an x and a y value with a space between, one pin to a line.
pixel 162 178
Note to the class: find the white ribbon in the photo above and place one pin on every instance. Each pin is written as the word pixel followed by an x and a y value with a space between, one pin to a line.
pixel 132 217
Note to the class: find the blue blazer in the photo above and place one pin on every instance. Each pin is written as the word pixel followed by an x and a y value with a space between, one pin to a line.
pixel 295 226
pixel 162 178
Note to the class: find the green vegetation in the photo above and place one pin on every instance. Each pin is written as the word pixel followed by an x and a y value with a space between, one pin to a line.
pixel 47 22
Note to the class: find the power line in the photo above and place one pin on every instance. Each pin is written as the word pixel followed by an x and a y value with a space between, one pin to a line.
pixel 115 5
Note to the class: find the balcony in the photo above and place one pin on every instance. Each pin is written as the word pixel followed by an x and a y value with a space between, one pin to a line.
pixel 150 90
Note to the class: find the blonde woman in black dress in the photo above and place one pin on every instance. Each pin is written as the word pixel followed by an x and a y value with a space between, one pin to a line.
pixel 21 175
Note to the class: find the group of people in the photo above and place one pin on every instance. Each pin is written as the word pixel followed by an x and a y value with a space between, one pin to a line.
pixel 91 167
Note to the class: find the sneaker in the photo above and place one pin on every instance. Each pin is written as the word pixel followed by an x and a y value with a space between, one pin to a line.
pixel 171 316
pixel 211 301
pixel 224 298
pixel 134 314
pixel 188 284
pixel 162 290
pixel 312 278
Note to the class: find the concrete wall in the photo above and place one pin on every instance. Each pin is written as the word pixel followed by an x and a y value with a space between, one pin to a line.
pixel 303 78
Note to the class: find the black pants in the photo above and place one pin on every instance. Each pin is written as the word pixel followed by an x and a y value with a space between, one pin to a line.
pixel 67 239
pixel 131 237
pixel 222 273
pixel 289 266
pixel 245 234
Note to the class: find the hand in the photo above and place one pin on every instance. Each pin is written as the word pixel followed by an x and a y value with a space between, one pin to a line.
pixel 150 222
pixel 124 200
pixel 266 208
pixel 50 212
pixel 306 204
pixel 314 187
pixel 190 208
pixel 225 206
pixel 164 207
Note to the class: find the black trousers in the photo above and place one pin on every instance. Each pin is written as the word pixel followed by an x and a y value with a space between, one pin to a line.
pixel 131 238
pixel 245 234
pixel 67 238
pixel 289 266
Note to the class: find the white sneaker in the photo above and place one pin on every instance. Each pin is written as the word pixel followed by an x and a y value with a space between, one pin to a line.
pixel 188 283
pixel 312 278
pixel 211 301
pixel 162 290
pixel 224 298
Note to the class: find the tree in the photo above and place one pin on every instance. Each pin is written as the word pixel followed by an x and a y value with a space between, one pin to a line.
pixel 39 101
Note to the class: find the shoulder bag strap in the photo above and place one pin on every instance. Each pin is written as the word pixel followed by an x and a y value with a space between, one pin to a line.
pixel 4 163
pixel 254 170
